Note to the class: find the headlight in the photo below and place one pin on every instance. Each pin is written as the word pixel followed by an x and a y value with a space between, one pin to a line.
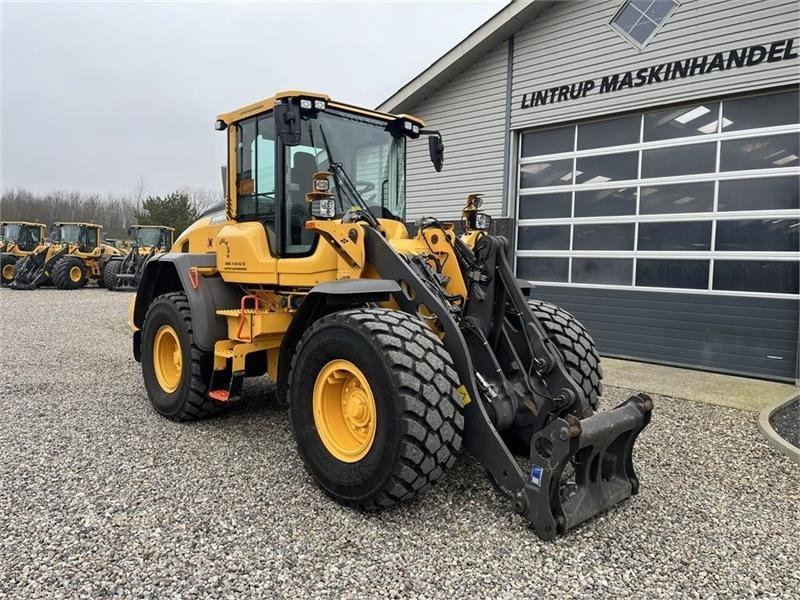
pixel 306 104
pixel 324 208
pixel 319 104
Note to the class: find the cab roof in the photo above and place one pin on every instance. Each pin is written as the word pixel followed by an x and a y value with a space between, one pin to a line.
pixel 152 227
pixel 30 223
pixel 60 223
pixel 268 104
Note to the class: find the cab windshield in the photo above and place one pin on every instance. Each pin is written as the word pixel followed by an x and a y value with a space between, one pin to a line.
pixel 69 234
pixel 360 147
pixel 149 237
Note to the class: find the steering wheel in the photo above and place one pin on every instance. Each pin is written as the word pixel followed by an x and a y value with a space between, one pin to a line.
pixel 364 186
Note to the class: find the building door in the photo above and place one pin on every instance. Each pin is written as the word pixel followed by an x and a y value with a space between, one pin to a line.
pixel 674 233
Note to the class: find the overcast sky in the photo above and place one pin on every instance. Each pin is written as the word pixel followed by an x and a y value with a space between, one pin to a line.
pixel 97 95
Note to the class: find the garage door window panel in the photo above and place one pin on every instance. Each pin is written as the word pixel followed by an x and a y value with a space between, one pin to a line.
pixel 549 141
pixel 758 235
pixel 544 237
pixel 545 206
pixel 607 167
pixel 688 274
pixel 767 152
pixel 609 132
pixel 676 198
pixel 607 271
pixel 554 270
pixel 770 110
pixel 606 202
pixel 546 174
pixel 681 122
pixel 772 193
pixel 770 276
pixel 671 236
pixel 690 159
pixel 615 236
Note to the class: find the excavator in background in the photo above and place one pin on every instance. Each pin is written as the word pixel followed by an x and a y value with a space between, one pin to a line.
pixel 73 258
pixel 19 239
pixel 392 351
pixel 122 273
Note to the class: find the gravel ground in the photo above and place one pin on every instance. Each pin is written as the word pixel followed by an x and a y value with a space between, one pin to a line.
pixel 99 496
pixel 786 422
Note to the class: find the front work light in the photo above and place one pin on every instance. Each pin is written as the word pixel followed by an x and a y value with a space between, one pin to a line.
pixel 320 199
pixel 306 104
pixel 220 125
pixel 323 208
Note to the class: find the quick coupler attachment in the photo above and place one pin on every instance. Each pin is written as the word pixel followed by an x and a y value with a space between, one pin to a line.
pixel 125 283
pixel 582 467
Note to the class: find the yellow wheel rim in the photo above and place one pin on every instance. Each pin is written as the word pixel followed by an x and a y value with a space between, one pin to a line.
pixel 344 411
pixel 8 272
pixel 167 359
pixel 75 274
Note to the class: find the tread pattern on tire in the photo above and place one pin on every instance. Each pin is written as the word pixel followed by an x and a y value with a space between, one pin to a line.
pixel 432 423
pixel 110 274
pixel 197 405
pixel 61 273
pixel 576 345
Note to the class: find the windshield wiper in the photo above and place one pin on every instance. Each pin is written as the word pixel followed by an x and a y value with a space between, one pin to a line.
pixel 346 185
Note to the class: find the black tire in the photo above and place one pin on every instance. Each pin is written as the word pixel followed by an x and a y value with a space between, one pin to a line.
pixel 576 346
pixel 188 401
pixel 63 270
pixel 110 274
pixel 419 423
pixel 8 269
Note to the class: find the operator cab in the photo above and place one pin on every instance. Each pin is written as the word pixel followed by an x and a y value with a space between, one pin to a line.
pixel 153 237
pixel 85 235
pixel 274 154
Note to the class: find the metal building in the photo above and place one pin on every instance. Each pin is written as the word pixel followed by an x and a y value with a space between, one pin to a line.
pixel 643 156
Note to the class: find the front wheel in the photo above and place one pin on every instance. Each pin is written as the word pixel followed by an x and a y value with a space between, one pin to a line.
pixel 374 406
pixel 69 273
pixel 7 270
pixel 576 346
pixel 176 372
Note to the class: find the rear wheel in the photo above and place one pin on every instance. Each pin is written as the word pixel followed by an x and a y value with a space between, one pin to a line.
pixel 110 274
pixel 69 273
pixel 7 270
pixel 374 407
pixel 176 372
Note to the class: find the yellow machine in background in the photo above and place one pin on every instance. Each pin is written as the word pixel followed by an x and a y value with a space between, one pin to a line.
pixel 75 257
pixel 122 273
pixel 19 238
pixel 391 350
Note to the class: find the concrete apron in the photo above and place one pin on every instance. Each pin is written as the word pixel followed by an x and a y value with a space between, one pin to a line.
pixel 698 386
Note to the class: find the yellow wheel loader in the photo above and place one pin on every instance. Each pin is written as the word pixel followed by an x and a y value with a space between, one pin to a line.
pixel 392 351
pixel 19 239
pixel 122 273
pixel 73 258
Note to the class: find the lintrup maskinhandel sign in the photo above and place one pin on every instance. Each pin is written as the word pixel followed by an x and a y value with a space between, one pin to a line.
pixel 699 65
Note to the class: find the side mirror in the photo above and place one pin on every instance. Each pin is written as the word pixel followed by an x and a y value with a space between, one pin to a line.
pixel 287 123
pixel 436 150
